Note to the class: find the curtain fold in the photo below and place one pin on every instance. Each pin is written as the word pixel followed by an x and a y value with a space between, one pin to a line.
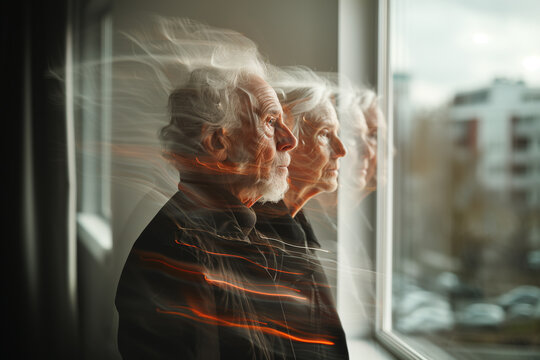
pixel 41 306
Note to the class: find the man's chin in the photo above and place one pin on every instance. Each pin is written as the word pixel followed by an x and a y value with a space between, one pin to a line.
pixel 274 189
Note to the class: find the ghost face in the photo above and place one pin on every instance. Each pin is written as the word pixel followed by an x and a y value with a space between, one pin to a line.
pixel 368 124
pixel 365 144
pixel 315 161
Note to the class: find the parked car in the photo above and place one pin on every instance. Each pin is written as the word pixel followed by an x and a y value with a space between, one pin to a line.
pixel 426 320
pixel 520 312
pixel 420 311
pixel 482 315
pixel 525 294
pixel 415 299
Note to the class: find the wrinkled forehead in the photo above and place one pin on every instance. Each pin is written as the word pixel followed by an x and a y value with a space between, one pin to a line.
pixel 323 115
pixel 262 96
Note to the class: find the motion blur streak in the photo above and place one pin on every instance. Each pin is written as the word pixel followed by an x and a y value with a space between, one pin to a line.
pixel 212 281
pixel 264 329
pixel 222 282
pixel 239 257
pixel 169 265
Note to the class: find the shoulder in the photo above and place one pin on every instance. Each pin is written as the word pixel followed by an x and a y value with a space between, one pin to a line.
pixel 165 233
pixel 158 256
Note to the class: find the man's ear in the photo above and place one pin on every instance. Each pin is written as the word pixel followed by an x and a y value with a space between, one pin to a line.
pixel 216 143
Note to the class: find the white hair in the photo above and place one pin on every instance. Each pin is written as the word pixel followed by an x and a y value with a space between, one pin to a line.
pixel 303 93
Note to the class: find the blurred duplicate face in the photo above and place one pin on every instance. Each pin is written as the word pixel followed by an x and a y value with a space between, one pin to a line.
pixel 366 162
pixel 263 141
pixel 315 161
pixel 369 123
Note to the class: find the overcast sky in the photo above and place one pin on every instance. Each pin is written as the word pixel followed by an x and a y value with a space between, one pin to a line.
pixel 454 45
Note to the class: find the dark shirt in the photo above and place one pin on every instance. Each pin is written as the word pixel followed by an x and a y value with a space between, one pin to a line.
pixel 318 315
pixel 200 283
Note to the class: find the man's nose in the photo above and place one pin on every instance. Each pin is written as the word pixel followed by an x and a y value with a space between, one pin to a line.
pixel 338 148
pixel 285 140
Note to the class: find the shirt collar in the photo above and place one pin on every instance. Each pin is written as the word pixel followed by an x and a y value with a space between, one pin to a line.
pixel 211 208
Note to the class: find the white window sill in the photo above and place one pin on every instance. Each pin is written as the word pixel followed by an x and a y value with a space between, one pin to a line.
pixel 361 349
pixel 95 233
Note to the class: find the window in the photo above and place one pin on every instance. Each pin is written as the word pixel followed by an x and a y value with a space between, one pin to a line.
pixel 93 121
pixel 533 96
pixel 473 97
pixel 519 169
pixel 521 143
pixel 458 243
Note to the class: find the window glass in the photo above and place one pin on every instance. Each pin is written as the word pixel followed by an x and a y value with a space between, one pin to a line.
pixel 466 184
pixel 93 120
pixel 92 83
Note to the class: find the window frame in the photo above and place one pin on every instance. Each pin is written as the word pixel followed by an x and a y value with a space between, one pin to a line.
pixel 400 346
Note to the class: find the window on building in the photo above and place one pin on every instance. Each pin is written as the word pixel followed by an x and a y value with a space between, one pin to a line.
pixel 521 143
pixel 533 96
pixel 519 169
pixel 474 97
pixel 459 243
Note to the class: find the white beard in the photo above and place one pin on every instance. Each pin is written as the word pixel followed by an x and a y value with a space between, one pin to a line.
pixel 274 188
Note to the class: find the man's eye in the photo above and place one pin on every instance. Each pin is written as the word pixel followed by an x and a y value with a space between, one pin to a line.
pixel 271 121
pixel 324 136
pixel 324 133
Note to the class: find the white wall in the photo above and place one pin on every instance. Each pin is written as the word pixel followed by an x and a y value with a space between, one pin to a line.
pixel 288 32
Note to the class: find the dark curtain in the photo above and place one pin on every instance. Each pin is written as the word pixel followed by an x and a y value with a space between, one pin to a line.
pixel 40 314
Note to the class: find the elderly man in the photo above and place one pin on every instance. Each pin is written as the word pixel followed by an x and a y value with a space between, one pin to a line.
pixel 199 282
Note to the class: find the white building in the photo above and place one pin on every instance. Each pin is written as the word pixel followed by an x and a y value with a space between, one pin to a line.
pixel 501 124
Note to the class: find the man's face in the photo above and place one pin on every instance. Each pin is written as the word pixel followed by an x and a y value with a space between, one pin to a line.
pixel 263 141
pixel 315 162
